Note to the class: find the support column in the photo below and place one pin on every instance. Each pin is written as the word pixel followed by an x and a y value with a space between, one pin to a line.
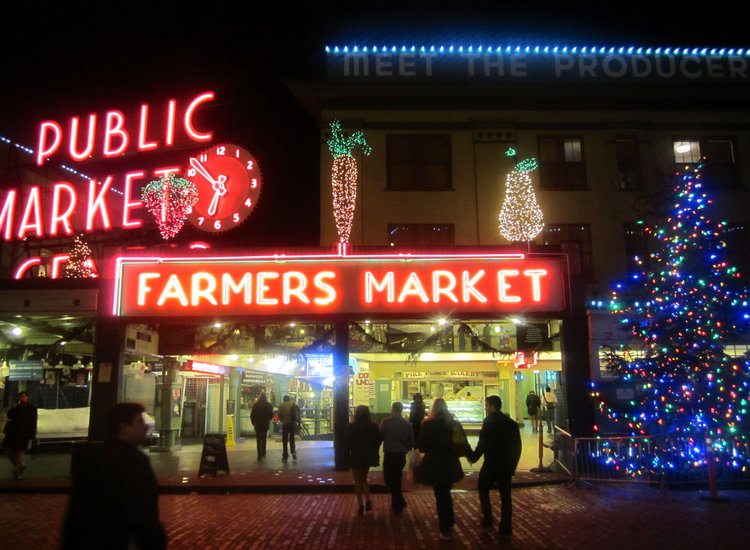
pixel 341 393
pixel 105 383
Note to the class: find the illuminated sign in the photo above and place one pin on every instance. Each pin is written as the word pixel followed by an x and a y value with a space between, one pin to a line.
pixel 525 359
pixel 207 368
pixel 337 283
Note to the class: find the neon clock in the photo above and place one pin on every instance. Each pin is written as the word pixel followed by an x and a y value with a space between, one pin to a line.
pixel 228 181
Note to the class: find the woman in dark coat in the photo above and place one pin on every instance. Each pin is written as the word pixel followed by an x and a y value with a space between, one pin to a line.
pixel 19 430
pixel 362 444
pixel 441 467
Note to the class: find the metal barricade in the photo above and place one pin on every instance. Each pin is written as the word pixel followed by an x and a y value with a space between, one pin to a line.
pixel 663 460
pixel 565 453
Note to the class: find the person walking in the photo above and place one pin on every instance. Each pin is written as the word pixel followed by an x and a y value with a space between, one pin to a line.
pixel 416 414
pixel 114 500
pixel 398 439
pixel 550 405
pixel 362 445
pixel 289 416
pixel 20 430
pixel 260 416
pixel 443 440
pixel 500 443
pixel 533 404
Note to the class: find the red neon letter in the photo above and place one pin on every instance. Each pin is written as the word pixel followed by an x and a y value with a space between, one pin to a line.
pixel 73 140
pixel 536 287
pixel 228 285
pixel 57 260
pixel 127 204
pixel 387 285
pixel 143 287
pixel 43 150
pixel 164 172
pixel 113 127
pixel 437 289
pixel 144 145
pixel 298 290
pixel 6 214
pixel 413 287
pixel 171 113
pixel 198 290
pixel 56 217
pixel 502 286
pixel 32 215
pixel 325 287
pixel 173 290
pixel 25 266
pixel 261 288
pixel 188 120
pixel 97 202
pixel 468 286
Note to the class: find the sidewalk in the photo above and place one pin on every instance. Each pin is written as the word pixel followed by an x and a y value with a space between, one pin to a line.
pixel 313 472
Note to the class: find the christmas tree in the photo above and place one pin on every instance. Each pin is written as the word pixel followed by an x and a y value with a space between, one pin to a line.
pixel 80 262
pixel 520 217
pixel 685 305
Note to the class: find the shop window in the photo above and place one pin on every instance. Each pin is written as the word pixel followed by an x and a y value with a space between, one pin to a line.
pixel 420 234
pixel 561 162
pixel 629 174
pixel 720 170
pixel 574 239
pixel 419 162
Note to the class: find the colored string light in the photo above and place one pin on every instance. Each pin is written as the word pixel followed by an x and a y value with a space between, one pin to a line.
pixel 80 264
pixel 169 200
pixel 520 218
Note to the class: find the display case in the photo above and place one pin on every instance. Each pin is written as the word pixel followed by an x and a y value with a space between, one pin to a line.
pixel 469 411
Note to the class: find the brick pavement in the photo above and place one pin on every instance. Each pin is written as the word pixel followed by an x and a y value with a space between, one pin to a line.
pixel 544 517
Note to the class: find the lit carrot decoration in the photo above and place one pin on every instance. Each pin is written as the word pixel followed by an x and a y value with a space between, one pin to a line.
pixel 344 177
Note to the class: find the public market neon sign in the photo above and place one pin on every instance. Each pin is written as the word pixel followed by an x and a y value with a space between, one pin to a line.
pixel 336 283
pixel 64 209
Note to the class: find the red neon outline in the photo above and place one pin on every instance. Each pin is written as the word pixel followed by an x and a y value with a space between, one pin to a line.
pixel 98 204
pixel 199 245
pixel 41 152
pixel 164 172
pixel 73 140
pixel 57 259
pixel 171 115
pixel 7 213
pixel 32 201
pixel 109 132
pixel 55 217
pixel 127 204
pixel 188 118
pixel 144 145
pixel 24 267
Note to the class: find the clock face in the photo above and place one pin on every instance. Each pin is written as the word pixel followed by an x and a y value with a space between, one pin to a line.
pixel 228 182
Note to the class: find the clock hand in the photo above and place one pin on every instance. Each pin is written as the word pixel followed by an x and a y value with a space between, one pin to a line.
pixel 203 172
pixel 220 190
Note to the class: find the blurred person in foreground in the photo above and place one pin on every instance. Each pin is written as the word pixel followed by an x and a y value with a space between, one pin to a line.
pixel 114 500
pixel 398 439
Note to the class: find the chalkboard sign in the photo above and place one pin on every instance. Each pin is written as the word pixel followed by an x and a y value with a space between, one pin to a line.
pixel 214 455
pixel 533 337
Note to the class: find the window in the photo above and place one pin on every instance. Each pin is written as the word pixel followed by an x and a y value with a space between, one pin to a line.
pixel 637 248
pixel 720 169
pixel 420 234
pixel 573 239
pixel 419 162
pixel 561 162
pixel 628 163
pixel 737 252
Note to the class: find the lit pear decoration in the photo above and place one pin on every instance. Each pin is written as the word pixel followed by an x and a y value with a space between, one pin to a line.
pixel 521 218
pixel 344 176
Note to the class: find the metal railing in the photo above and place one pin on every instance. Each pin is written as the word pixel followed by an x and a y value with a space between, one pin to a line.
pixel 663 460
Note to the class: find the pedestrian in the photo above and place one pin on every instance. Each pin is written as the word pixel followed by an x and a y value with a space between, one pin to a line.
pixel 398 439
pixel 550 404
pixel 443 440
pixel 533 404
pixel 114 502
pixel 362 444
pixel 260 416
pixel 289 416
pixel 500 443
pixel 20 431
pixel 416 415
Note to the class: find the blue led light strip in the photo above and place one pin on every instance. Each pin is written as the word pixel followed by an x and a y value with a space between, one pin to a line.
pixel 65 167
pixel 540 50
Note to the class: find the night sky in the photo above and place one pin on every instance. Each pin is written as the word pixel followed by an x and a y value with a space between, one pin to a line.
pixel 63 63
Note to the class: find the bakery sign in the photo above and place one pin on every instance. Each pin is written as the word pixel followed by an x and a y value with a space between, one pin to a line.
pixel 279 284
pixel 214 188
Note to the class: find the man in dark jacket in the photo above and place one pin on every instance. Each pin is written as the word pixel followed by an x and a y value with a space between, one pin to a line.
pixel 114 497
pixel 500 442
pixel 260 416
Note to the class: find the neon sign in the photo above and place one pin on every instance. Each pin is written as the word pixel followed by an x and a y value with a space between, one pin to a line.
pixel 337 283
pixel 207 368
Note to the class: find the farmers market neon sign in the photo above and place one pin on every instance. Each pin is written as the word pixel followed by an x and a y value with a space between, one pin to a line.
pixel 336 283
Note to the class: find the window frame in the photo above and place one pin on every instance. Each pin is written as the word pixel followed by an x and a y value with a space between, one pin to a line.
pixel 634 166
pixel 419 164
pixel 561 165
pixel 733 166
pixel 585 253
